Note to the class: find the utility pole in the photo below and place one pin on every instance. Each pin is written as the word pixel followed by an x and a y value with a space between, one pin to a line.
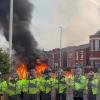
pixel 53 61
pixel 10 30
pixel 60 46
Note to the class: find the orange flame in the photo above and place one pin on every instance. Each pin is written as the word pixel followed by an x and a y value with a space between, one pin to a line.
pixel 22 71
pixel 40 69
pixel 69 75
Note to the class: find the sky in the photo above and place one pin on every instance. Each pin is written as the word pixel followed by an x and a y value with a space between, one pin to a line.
pixel 78 18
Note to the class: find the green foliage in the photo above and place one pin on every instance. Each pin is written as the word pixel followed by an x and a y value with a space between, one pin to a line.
pixel 4 62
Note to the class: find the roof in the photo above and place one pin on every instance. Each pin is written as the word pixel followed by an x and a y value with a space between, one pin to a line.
pixel 97 33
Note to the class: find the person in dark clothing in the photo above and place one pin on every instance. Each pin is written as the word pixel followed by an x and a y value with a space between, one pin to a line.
pixel 91 96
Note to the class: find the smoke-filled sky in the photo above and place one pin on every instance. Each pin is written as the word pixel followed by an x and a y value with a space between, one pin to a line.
pixel 78 18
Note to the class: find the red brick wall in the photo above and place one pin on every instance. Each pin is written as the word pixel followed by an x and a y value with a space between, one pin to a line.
pixel 85 60
pixel 94 53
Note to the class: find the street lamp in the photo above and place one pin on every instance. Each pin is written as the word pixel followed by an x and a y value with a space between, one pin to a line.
pixel 10 30
pixel 60 27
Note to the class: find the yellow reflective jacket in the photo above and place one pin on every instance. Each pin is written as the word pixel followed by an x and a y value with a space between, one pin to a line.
pixel 79 83
pixel 95 86
pixel 11 89
pixel 33 86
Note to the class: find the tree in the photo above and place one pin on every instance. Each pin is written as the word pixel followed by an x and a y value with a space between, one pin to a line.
pixel 4 62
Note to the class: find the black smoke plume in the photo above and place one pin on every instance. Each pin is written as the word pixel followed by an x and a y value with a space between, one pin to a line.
pixel 23 41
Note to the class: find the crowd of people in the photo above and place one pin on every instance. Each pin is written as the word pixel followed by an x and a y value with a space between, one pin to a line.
pixel 43 86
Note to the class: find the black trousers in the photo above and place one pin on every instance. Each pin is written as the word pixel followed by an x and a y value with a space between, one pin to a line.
pixel 92 97
pixel 13 98
pixel 78 95
pixel 45 96
pixel 28 97
pixel 61 96
pixel 24 97
pixel 78 98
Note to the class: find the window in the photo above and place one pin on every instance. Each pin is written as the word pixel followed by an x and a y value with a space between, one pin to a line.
pixel 99 44
pixel 91 48
pixel 81 55
pixel 93 44
pixel 76 55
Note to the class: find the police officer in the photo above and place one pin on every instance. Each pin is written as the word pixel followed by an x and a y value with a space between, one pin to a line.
pixel 62 86
pixel 79 84
pixel 1 92
pixel 47 86
pixel 32 86
pixel 90 78
pixel 54 84
pixel 92 86
pixel 11 88
pixel 19 87
pixel 98 77
pixel 61 90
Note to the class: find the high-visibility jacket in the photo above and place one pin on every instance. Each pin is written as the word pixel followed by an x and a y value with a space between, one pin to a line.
pixel 33 86
pixel 1 87
pixel 48 86
pixel 95 86
pixel 4 87
pixel 41 82
pixel 19 87
pixel 69 82
pixel 54 83
pixel 11 89
pixel 25 85
pixel 79 83
pixel 62 86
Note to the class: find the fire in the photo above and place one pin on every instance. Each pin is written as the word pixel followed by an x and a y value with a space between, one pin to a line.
pixel 22 71
pixel 69 75
pixel 40 69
